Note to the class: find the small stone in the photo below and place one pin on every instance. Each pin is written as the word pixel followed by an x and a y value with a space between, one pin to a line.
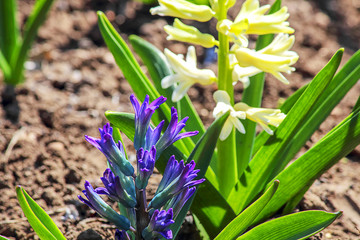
pixel 89 235
pixel 56 147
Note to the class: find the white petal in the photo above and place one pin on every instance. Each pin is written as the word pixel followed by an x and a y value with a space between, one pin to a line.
pixel 222 96
pixel 169 81
pixel 226 130
pixel 191 56
pixel 181 90
pixel 238 125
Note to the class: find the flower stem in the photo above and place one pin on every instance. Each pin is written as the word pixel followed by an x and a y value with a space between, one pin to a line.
pixel 226 164
pixel 142 216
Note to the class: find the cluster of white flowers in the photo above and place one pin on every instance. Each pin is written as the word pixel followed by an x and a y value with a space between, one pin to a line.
pixel 275 59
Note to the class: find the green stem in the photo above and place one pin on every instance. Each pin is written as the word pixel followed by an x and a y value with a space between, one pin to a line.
pixel 226 163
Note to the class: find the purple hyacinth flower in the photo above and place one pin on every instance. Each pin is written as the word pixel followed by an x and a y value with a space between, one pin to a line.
pixel 177 176
pixel 143 114
pixel 145 166
pixel 104 210
pixel 112 151
pixel 177 202
pixel 172 133
pixel 114 190
pixel 121 235
pixel 159 225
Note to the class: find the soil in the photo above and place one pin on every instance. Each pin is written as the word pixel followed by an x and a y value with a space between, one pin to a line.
pixel 72 79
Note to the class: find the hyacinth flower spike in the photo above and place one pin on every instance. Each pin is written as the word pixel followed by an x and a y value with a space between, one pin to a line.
pixel 159 225
pixel 177 177
pixel 143 114
pixel 95 202
pixel 145 166
pixel 112 151
pixel 172 133
pixel 114 190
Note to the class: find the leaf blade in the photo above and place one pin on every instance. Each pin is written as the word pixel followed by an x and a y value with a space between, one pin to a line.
pixel 291 227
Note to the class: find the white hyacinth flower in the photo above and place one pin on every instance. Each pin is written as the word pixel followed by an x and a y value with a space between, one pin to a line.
pixel 273 59
pixel 241 74
pixel 223 106
pixel 252 20
pixel 186 73
pixel 185 33
pixel 259 23
pixel 262 116
pixel 183 9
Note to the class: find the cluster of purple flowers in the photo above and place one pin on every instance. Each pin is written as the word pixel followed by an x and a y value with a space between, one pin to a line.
pixel 123 185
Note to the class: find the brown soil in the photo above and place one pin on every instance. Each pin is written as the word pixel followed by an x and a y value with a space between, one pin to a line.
pixel 74 80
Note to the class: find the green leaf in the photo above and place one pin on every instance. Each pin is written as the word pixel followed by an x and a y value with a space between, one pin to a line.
pixel 292 227
pixel 158 67
pixel 37 217
pixel 207 196
pixel 35 20
pixel 269 158
pixel 156 63
pixel 138 81
pixel 4 66
pixel 252 96
pixel 244 219
pixel 9 29
pixel 209 206
pixel 343 81
pixel 329 150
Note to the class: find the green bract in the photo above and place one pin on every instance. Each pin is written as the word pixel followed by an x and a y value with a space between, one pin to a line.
pixel 248 180
pixel 14 48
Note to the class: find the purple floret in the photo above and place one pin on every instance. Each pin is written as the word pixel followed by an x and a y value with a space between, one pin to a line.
pixel 177 176
pixel 172 133
pixel 159 225
pixel 112 151
pixel 143 114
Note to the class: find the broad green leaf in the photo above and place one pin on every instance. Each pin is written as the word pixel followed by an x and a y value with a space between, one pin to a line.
pixel 270 156
pixel 202 154
pixel 9 30
pixel 343 81
pixel 252 96
pixel 244 219
pixel 156 63
pixel 138 81
pixel 285 108
pixel 328 151
pixel 42 224
pixel 209 206
pixel 292 227
pixel 35 20
pixel 337 89
pixel 159 68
